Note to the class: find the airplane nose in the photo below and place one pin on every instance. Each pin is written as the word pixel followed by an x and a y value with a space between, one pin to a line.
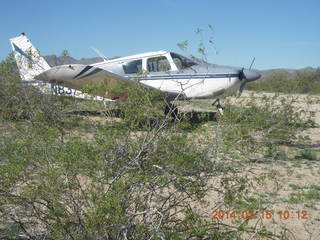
pixel 251 75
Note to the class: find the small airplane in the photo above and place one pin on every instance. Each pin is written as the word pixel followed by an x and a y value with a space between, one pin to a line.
pixel 178 77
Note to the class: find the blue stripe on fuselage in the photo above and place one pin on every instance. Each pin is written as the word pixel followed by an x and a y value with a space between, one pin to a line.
pixel 181 76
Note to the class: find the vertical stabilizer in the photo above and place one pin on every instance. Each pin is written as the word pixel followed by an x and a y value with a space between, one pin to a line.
pixel 28 58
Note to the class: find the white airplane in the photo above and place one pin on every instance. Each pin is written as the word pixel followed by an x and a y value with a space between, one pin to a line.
pixel 175 75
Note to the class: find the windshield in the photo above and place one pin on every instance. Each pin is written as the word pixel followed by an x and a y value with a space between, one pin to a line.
pixel 181 61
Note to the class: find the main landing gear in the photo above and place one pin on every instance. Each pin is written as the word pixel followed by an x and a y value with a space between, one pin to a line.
pixel 217 104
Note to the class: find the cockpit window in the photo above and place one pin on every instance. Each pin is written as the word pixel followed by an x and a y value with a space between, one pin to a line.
pixel 132 67
pixel 158 64
pixel 181 61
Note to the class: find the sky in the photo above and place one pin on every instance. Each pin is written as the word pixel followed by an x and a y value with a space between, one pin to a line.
pixel 279 34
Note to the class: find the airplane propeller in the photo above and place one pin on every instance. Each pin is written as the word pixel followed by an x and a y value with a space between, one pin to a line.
pixel 243 80
pixel 247 75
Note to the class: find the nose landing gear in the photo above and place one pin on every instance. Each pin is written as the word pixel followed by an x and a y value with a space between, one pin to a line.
pixel 217 104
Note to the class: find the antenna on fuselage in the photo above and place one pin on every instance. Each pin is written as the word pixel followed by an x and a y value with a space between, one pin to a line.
pixel 100 54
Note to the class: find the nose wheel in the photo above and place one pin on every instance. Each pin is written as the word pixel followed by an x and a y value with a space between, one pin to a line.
pixel 218 105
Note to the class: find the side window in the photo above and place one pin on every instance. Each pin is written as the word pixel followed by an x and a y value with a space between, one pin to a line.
pixel 158 64
pixel 181 61
pixel 132 67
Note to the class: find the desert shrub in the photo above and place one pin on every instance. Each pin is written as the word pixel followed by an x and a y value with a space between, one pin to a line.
pixel 22 101
pixel 307 154
pixel 262 125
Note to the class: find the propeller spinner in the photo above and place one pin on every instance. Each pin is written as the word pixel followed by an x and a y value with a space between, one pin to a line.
pixel 247 75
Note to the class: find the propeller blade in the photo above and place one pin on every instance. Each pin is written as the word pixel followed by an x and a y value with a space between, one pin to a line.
pixel 243 84
pixel 243 80
pixel 252 63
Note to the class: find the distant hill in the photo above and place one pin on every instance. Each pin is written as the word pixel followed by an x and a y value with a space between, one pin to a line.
pixel 290 73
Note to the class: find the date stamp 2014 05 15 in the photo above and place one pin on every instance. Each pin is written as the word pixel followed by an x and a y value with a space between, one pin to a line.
pixel 254 214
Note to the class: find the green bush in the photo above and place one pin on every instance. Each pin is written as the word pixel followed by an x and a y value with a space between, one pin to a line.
pixel 261 126
pixel 307 154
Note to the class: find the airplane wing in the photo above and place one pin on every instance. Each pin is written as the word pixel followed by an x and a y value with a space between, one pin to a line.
pixel 80 77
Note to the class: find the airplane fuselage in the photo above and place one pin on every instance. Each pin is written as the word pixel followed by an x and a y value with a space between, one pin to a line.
pixel 162 70
pixel 171 73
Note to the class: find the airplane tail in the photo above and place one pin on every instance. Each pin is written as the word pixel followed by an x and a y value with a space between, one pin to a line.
pixel 28 58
